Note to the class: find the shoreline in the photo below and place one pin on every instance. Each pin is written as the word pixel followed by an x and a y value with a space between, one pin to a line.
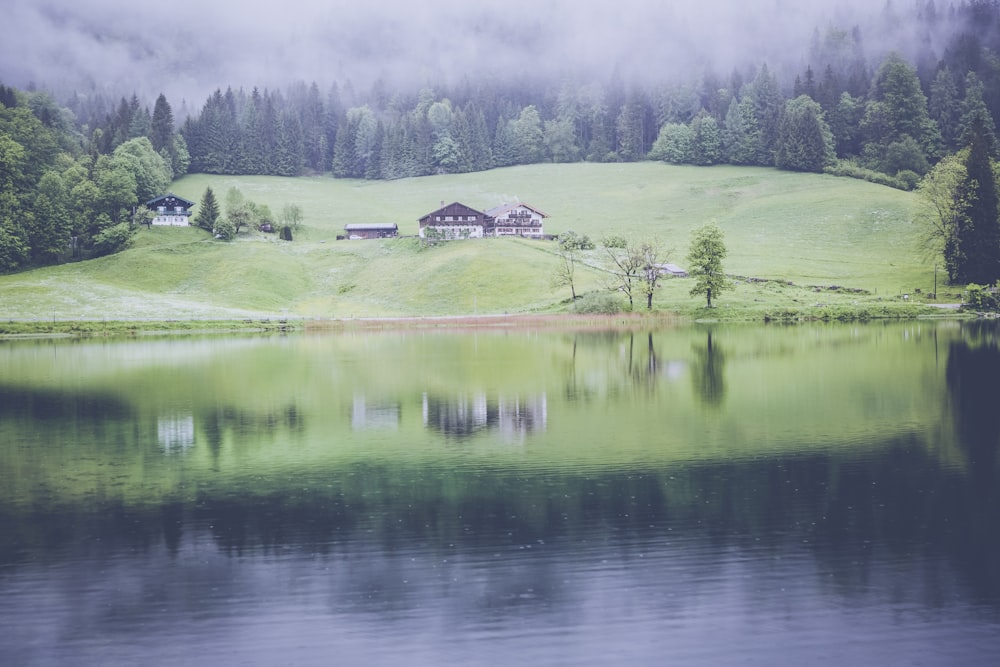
pixel 90 328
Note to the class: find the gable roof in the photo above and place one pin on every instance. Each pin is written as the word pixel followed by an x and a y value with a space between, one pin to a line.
pixel 454 209
pixel 504 208
pixel 169 200
pixel 377 226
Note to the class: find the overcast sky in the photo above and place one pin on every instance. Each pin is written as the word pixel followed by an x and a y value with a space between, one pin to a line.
pixel 187 48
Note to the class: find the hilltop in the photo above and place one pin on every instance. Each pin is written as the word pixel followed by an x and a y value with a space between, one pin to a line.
pixel 819 232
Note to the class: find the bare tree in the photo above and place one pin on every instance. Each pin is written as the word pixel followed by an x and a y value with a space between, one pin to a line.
pixel 564 275
pixel 652 257
pixel 626 265
pixel 636 269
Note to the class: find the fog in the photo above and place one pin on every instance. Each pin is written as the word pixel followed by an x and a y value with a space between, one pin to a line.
pixel 187 48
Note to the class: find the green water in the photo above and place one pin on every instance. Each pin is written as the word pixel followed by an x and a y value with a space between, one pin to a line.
pixel 557 496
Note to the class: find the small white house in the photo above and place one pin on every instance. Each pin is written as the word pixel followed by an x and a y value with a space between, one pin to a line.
pixel 171 210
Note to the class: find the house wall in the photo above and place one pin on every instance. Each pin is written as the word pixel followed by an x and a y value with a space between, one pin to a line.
pixel 452 232
pixel 172 220
pixel 519 221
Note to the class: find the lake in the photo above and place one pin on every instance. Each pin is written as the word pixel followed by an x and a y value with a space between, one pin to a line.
pixel 700 495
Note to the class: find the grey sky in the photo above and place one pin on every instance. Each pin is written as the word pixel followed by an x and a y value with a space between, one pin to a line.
pixel 186 48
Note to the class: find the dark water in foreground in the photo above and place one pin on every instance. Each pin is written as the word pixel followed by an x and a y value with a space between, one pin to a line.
pixel 728 496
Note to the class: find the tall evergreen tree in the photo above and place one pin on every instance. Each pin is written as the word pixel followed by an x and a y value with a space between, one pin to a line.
pixel 706 140
pixel 974 110
pixel 161 131
pixel 208 211
pixel 805 142
pixel 943 106
pixel 976 250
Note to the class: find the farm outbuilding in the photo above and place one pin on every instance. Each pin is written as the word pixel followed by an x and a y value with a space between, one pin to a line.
pixel 372 230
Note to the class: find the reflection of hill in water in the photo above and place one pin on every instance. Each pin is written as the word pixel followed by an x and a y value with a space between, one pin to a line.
pixel 900 501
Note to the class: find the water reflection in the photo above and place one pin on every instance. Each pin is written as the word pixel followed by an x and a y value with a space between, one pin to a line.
pixel 463 416
pixel 708 374
pixel 847 514
pixel 374 414
pixel 972 376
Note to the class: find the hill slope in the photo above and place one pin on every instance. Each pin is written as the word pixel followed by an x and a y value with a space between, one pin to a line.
pixel 806 228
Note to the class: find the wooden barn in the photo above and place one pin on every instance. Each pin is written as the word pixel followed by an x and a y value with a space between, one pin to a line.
pixel 372 230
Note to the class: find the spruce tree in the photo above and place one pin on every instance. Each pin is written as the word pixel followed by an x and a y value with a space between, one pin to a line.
pixel 977 244
pixel 161 131
pixel 208 213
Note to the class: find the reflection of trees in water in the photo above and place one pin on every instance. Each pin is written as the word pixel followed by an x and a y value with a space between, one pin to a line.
pixel 463 416
pixel 708 374
pixel 218 421
pixel 973 377
pixel 853 514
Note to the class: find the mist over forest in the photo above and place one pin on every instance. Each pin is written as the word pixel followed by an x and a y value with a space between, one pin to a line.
pixel 187 48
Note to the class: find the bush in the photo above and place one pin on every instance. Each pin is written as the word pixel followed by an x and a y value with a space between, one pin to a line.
pixel 599 303
pixel 850 169
pixel 978 297
pixel 225 229
pixel 113 239
pixel 614 241
pixel 573 241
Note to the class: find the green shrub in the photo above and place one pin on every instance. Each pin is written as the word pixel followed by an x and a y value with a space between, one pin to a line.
pixel 978 297
pixel 225 229
pixel 599 303
pixel 573 241
pixel 851 169
pixel 113 239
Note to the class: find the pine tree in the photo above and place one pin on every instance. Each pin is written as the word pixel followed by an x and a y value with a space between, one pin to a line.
pixel 976 250
pixel 973 109
pixel 943 106
pixel 161 132
pixel 805 142
pixel 208 212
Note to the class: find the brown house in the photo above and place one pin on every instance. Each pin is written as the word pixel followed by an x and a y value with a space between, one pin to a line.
pixel 455 221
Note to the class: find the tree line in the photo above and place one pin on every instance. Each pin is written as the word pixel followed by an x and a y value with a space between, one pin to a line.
pixel 889 119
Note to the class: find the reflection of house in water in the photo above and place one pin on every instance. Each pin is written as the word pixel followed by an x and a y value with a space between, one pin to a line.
pixel 464 416
pixel 367 414
pixel 519 416
pixel 459 417
pixel 175 433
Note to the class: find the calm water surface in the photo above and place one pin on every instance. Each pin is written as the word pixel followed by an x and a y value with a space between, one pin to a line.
pixel 734 495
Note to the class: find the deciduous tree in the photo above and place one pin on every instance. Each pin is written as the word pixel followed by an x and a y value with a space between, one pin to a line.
pixel 708 249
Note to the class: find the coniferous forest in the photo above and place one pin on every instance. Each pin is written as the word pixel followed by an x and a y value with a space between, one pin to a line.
pixel 855 106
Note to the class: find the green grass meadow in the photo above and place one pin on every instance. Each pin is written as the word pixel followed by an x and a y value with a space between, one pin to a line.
pixel 812 230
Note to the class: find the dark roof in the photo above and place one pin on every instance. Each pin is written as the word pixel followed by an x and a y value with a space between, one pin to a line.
pixel 454 209
pixel 169 199
pixel 379 226
pixel 503 208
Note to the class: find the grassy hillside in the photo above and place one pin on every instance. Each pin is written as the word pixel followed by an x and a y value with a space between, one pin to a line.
pixel 806 228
